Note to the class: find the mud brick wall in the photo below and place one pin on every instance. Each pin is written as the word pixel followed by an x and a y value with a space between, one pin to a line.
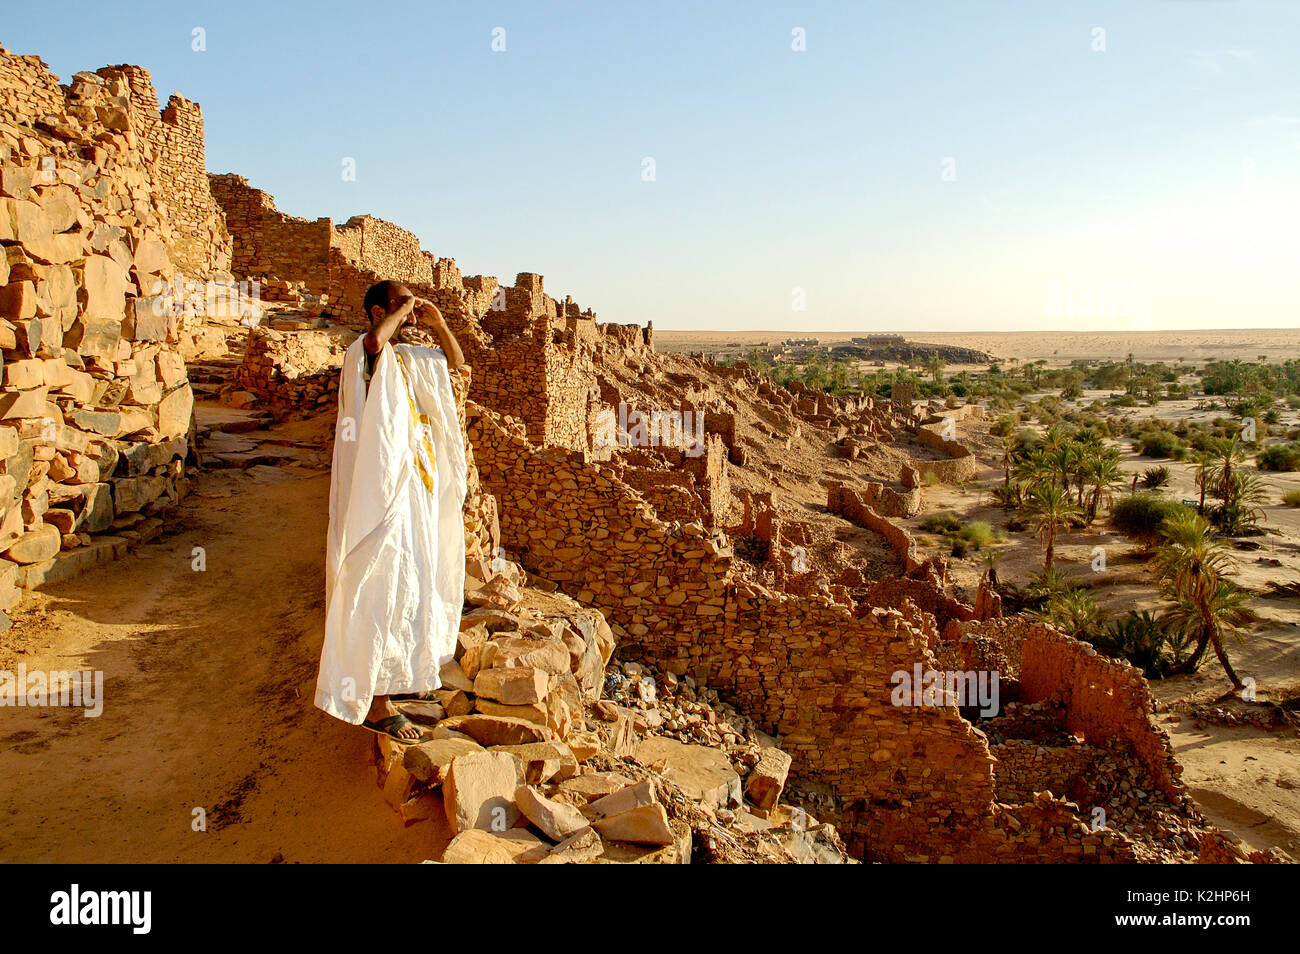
pixel 173 146
pixel 266 243
pixel 95 406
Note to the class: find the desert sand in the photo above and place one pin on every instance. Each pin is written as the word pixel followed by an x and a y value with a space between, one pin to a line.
pixel 1056 348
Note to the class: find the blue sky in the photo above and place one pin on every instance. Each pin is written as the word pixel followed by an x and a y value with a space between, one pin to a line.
pixel 919 166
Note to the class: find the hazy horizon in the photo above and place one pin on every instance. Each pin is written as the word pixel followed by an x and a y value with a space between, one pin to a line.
pixel 1113 166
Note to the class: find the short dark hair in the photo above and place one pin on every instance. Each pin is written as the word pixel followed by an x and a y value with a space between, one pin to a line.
pixel 377 294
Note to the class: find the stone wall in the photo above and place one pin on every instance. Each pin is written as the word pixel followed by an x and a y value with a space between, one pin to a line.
pixel 1104 699
pixel 95 406
pixel 172 145
pixel 961 465
pixel 266 243
pixel 916 782
pixel 848 503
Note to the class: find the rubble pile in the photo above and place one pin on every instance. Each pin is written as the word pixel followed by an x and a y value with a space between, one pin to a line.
pixel 528 762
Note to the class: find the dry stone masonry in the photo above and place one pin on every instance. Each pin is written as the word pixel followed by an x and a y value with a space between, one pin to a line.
pixel 672 649
pixel 103 206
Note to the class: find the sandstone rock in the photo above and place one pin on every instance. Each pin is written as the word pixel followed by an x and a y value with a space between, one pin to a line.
pixel 429 761
pixel 498 730
pixel 175 411
pixel 703 773
pixel 478 792
pixel 625 799
pixel 766 780
pixel 582 847
pixel 476 847
pixel 644 825
pixel 556 820
pixel 536 713
pixel 103 291
pixel 36 545
pixel 543 761
pixel 515 686
pixel 595 785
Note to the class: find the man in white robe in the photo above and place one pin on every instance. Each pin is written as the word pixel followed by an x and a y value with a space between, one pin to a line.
pixel 395 560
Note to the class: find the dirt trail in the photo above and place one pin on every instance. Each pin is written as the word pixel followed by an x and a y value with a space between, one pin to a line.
pixel 208 684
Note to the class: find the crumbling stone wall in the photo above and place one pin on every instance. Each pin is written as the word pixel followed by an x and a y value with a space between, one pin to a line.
pixel 1104 699
pixel 961 464
pixel 847 503
pixel 915 780
pixel 384 248
pixel 172 144
pixel 95 406
pixel 267 243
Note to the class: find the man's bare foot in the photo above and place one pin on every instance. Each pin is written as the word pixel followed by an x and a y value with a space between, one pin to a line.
pixel 382 708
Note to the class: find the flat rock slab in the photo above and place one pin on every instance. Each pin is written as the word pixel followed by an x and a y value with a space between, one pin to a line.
pixel 476 847
pixel 703 773
pixel 479 792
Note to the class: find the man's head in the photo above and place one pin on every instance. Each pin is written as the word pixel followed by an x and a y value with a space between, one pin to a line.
pixel 382 298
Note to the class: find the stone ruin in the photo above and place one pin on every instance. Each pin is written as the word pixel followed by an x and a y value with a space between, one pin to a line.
pixel 637 576
pixel 103 204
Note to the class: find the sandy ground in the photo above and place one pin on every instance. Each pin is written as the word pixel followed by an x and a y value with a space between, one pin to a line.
pixel 1056 348
pixel 209 678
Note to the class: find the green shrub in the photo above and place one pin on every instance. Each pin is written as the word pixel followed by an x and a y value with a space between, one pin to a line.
pixel 1154 477
pixel 978 534
pixel 1292 497
pixel 958 547
pixel 1141 515
pixel 1279 457
pixel 1158 444
pixel 1143 639
pixel 943 522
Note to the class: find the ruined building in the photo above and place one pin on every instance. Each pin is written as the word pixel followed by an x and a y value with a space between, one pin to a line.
pixel 658 489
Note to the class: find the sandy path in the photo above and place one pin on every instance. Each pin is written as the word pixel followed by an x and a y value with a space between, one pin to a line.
pixel 208 680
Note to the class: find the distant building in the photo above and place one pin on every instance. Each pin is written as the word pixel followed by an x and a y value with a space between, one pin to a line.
pixel 876 341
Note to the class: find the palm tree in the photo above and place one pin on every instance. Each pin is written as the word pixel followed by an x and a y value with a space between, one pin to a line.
pixel 1227 458
pixel 1050 508
pixel 1191 567
pixel 1010 445
pixel 1204 475
pixel 1101 472
pixel 935 365
pixel 1242 494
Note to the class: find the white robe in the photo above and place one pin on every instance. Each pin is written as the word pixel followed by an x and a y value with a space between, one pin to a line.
pixel 395 555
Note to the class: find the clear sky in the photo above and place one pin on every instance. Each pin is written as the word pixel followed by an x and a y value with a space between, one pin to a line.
pixel 921 165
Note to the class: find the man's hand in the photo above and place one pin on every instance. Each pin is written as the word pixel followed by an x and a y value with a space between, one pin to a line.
pixel 429 312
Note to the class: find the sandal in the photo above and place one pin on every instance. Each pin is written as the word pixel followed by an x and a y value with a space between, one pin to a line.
pixel 391 726
pixel 415 697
